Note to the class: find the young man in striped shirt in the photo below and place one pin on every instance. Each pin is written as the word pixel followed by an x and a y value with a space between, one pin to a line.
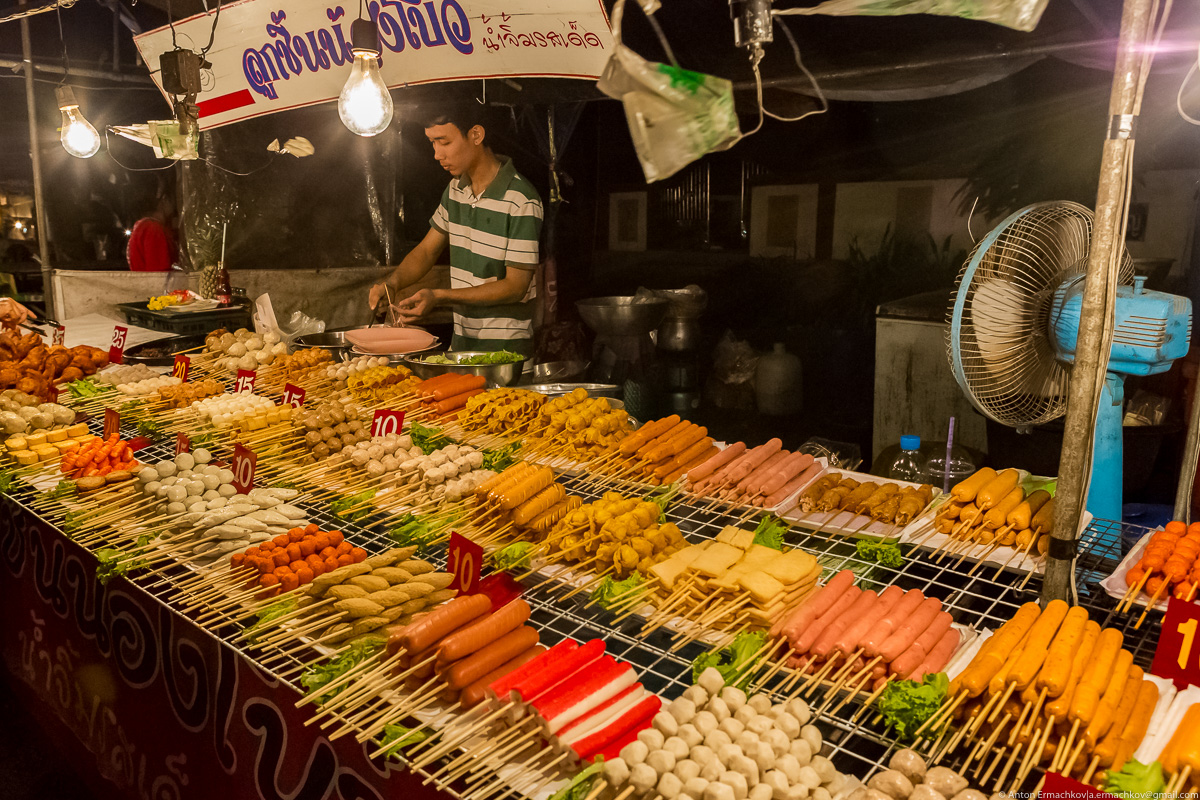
pixel 491 217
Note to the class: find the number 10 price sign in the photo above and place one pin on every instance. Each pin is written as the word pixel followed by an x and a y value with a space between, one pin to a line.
pixel 464 558
pixel 1177 657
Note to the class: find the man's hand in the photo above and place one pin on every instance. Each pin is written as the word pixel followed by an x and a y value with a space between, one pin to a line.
pixel 410 309
pixel 12 313
pixel 378 294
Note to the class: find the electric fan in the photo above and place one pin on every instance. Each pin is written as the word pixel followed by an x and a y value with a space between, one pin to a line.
pixel 1015 320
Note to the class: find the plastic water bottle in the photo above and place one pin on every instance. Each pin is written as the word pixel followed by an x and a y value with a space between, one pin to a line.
pixel 907 466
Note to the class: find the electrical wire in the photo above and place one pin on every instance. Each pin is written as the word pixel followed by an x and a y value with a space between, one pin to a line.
pixel 1183 85
pixel 799 63
pixel 62 42
pixel 212 34
pixel 126 167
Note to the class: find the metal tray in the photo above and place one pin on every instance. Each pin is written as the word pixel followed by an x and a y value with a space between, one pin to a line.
pixel 161 352
pixel 593 389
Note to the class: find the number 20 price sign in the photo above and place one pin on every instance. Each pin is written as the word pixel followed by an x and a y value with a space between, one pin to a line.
pixel 464 558
pixel 1177 657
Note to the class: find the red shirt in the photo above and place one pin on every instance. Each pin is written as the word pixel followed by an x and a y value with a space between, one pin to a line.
pixel 151 247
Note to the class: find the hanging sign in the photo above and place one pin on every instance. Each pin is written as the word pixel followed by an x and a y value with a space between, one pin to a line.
pixel 244 464
pixel 463 557
pixel 183 365
pixel 387 422
pixel 245 380
pixel 116 350
pixel 293 395
pixel 267 58
pixel 1177 657
pixel 112 423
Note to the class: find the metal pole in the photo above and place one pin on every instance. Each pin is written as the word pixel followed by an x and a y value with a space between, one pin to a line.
pixel 43 226
pixel 1187 470
pixel 1087 375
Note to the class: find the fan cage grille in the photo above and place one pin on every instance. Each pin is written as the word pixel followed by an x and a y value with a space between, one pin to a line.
pixel 1006 287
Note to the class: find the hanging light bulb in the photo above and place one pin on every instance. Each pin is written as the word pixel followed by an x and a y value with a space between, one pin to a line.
pixel 365 105
pixel 78 136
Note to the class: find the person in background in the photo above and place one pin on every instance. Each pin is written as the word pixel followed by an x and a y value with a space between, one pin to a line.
pixel 12 313
pixel 491 218
pixel 152 244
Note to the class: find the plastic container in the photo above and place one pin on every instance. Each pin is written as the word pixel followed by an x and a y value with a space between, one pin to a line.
pixel 908 465
pixel 778 383
pixel 942 474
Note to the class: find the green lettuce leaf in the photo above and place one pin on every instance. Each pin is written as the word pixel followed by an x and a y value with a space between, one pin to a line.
pixel 732 659
pixel 515 556
pixel 770 531
pixel 611 590
pixel 1136 780
pixel 906 705
pixel 326 673
pixel 397 737
pixel 581 785
pixel 885 553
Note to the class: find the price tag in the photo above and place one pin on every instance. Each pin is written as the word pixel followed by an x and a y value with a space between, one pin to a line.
pixel 183 443
pixel 245 380
pixel 1060 787
pixel 112 422
pixel 464 558
pixel 245 462
pixel 1177 657
pixel 183 365
pixel 60 334
pixel 293 395
pixel 116 350
pixel 387 422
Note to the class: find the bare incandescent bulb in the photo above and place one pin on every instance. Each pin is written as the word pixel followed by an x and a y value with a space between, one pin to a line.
pixel 77 135
pixel 365 105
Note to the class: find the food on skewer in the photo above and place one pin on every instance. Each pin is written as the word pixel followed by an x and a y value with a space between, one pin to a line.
pixel 244 349
pixel 123 374
pixel 148 386
pixel 762 476
pixel 339 374
pixel 358 597
pixel 908 776
pixel 1168 564
pixel 380 384
pixel 869 637
pixel 658 453
pixel 333 426
pixel 730 583
pixel 31 367
pixel 184 394
pixel 615 534
pixel 518 501
pixel 451 472
pixel 297 364
pixel 243 410
pixel 505 410
pixel 21 413
pixel 98 462
pixel 884 502
pixel 579 426
pixel 449 393
pixel 28 449
pixel 1050 674
pixel 715 743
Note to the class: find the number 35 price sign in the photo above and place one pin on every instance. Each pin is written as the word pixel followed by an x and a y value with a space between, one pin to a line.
pixel 1177 657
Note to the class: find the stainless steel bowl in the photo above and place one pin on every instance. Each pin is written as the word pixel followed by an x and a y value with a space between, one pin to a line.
pixel 622 316
pixel 610 390
pixel 558 371
pixel 333 340
pixel 496 374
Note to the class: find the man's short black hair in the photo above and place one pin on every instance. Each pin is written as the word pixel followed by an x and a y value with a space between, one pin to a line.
pixel 463 116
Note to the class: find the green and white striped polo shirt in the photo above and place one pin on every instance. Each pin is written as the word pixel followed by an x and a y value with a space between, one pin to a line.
pixel 489 233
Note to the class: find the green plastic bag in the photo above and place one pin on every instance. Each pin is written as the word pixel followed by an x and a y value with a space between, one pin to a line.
pixel 675 115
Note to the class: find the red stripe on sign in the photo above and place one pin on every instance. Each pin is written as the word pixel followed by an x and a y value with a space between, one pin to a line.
pixel 226 102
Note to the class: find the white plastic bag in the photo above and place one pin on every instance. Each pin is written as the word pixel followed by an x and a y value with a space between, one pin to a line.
pixel 299 324
pixel 675 115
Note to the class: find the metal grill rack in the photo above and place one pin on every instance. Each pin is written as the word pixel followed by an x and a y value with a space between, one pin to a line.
pixel 981 598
